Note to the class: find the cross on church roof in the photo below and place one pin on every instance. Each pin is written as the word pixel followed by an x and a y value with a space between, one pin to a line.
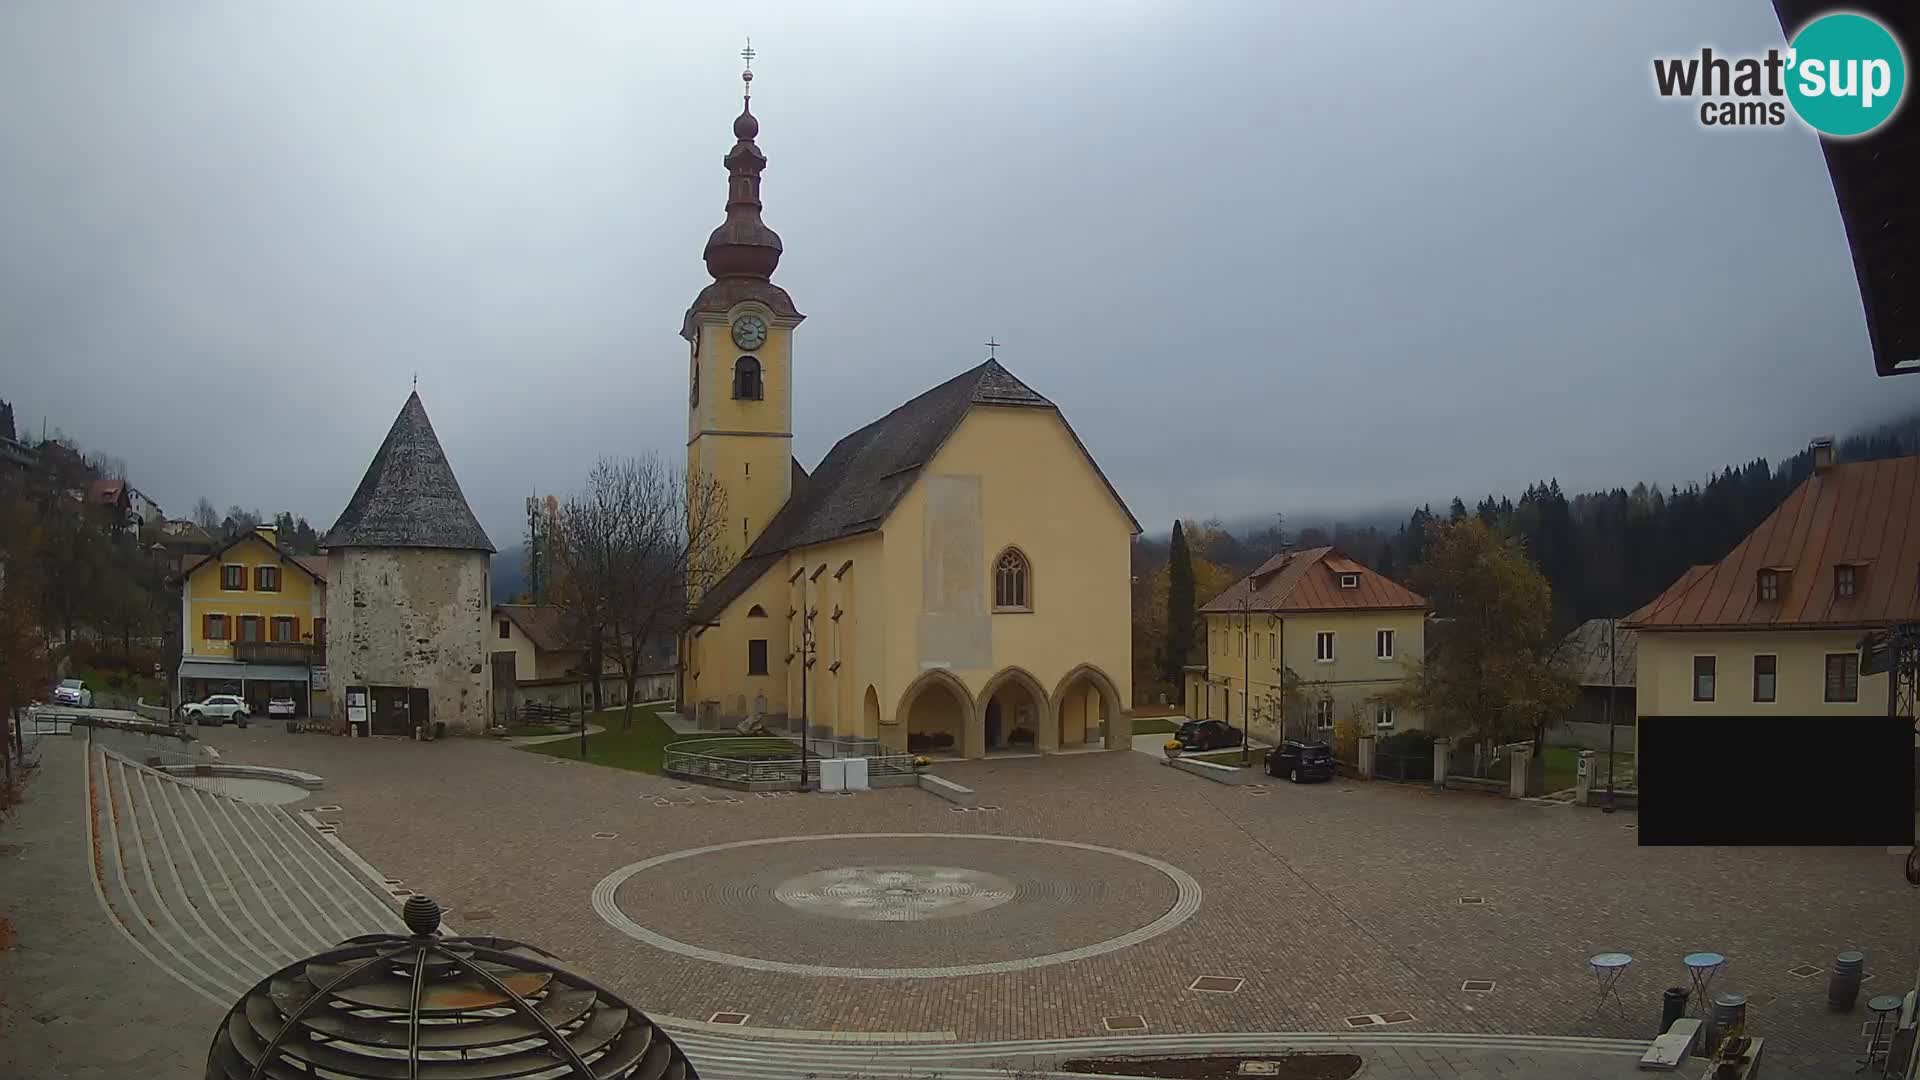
pixel 991 346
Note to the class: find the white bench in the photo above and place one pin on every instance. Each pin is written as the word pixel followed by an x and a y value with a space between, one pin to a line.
pixel 947 789
pixel 1670 1050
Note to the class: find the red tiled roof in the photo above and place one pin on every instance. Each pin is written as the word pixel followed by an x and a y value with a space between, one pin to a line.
pixel 1864 514
pixel 313 564
pixel 1310 581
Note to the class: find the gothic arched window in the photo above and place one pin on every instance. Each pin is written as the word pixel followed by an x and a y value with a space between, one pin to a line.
pixel 756 612
pixel 1012 582
pixel 746 379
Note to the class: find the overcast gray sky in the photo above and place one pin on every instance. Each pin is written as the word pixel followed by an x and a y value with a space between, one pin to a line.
pixel 1265 256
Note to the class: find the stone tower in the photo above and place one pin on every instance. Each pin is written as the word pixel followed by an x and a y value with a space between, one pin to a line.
pixel 740 371
pixel 408 591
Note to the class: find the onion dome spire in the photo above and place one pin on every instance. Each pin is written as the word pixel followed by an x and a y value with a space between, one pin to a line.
pixel 743 246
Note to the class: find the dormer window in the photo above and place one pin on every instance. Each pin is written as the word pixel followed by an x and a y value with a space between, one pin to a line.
pixel 746 379
pixel 1769 585
pixel 1349 581
pixel 1845 581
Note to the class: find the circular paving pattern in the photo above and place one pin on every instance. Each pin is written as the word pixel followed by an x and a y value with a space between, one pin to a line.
pixel 896 905
pixel 894 893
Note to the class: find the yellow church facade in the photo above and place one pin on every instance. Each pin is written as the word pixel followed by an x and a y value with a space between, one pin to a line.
pixel 951 579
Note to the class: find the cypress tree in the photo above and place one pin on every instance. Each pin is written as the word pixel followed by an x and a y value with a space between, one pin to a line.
pixel 1180 604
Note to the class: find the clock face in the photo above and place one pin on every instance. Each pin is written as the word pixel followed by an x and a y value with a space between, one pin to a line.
pixel 749 332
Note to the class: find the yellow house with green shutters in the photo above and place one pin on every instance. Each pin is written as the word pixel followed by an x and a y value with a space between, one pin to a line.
pixel 253 623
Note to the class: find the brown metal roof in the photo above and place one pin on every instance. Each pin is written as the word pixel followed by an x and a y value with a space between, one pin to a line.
pixel 1310 581
pixel 1588 655
pixel 542 623
pixel 1864 514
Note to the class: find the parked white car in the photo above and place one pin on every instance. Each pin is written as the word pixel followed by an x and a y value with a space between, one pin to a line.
pixel 217 710
pixel 280 706
pixel 73 692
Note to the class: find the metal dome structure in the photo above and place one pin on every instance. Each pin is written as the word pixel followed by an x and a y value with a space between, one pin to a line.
pixel 426 1007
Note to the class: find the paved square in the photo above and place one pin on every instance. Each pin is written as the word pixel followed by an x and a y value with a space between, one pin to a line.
pixel 1332 901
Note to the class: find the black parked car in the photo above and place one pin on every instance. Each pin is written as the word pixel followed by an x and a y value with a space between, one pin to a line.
pixel 1301 761
pixel 1207 735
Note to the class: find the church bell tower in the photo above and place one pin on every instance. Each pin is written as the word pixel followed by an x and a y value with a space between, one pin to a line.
pixel 740 334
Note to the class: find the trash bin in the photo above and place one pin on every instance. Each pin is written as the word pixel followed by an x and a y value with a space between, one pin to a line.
pixel 1729 1010
pixel 1673 1006
pixel 1843 985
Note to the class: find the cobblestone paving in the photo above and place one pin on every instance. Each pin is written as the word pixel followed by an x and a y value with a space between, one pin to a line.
pixel 76 1001
pixel 1332 900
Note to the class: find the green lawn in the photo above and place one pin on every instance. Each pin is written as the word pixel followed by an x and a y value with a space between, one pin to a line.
pixel 1563 762
pixel 150 687
pixel 1155 725
pixel 640 749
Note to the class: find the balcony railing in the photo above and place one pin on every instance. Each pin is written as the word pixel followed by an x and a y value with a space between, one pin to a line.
pixel 280 652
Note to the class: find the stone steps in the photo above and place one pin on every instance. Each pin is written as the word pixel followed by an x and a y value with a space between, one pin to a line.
pixel 219 892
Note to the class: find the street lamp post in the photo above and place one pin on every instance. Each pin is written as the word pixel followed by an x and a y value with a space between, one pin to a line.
pixel 806 661
pixel 1613 632
pixel 1246 677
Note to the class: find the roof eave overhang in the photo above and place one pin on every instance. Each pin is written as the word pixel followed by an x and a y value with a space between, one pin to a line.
pixel 1761 627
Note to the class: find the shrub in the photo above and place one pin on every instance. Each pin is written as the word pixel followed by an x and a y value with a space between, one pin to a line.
pixel 1346 736
pixel 1407 743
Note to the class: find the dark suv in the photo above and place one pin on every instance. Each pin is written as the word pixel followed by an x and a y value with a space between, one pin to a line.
pixel 1207 735
pixel 1301 761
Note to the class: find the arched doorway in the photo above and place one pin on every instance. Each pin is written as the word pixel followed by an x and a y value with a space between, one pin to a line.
pixel 870 714
pixel 1087 712
pixel 938 713
pixel 1013 713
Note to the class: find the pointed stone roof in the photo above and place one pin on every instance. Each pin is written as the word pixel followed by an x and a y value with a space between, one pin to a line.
pixel 409 497
pixel 864 476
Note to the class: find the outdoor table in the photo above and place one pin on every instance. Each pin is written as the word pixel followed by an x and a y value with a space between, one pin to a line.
pixel 1607 969
pixel 1701 968
pixel 1882 1008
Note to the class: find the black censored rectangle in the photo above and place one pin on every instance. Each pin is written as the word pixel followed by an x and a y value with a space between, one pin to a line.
pixel 1732 781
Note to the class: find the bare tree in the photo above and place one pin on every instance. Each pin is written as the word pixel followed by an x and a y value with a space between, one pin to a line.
pixel 206 515
pixel 240 521
pixel 629 554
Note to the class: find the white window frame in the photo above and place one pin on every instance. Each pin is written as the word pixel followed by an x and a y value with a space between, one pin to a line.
pixel 1380 636
pixel 1382 716
pixel 1349 581
pixel 1323 714
pixel 1329 640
